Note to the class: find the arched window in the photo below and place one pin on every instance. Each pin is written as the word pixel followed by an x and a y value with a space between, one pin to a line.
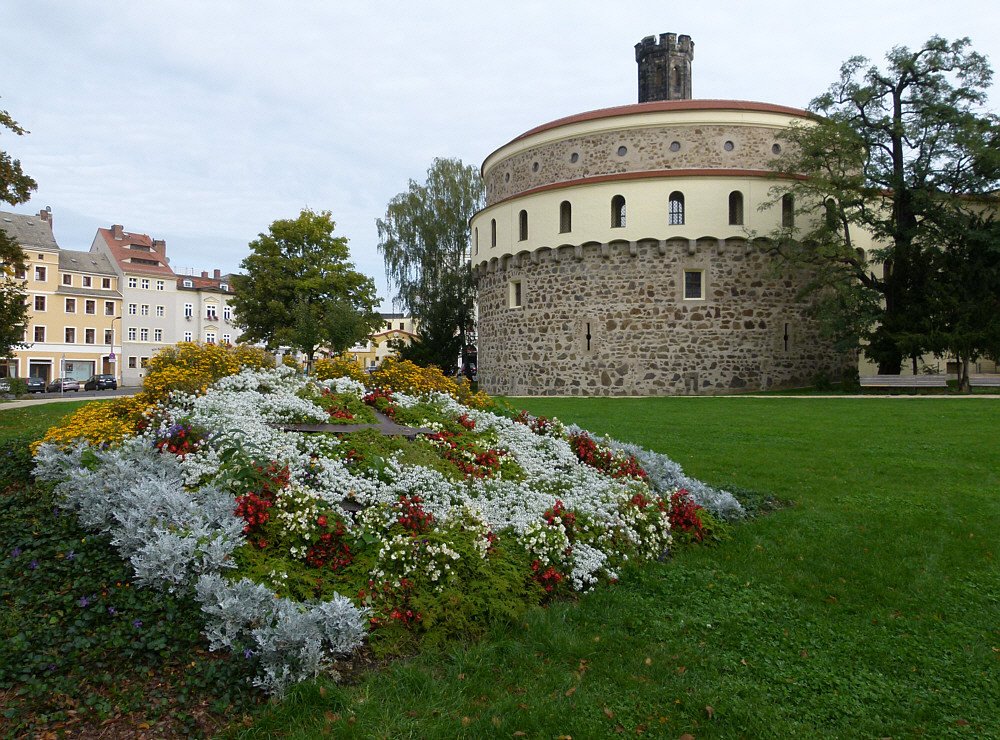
pixel 522 221
pixel 676 208
pixel 618 212
pixel 475 241
pixel 493 232
pixel 736 208
pixel 565 217
pixel 787 211
pixel 831 214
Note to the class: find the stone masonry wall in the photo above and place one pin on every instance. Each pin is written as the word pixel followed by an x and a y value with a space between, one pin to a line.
pixel 646 149
pixel 749 333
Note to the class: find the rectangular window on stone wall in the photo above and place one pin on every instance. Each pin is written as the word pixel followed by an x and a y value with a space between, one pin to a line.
pixel 514 294
pixel 694 285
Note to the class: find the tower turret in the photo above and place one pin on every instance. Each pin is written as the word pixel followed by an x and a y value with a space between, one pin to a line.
pixel 664 67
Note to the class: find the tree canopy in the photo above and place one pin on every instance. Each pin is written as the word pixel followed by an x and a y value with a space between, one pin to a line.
pixel 424 239
pixel 896 152
pixel 15 188
pixel 300 290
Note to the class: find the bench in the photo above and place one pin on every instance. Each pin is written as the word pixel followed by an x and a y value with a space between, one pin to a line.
pixel 985 381
pixel 904 381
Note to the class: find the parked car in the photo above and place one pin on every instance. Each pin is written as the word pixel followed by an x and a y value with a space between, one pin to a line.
pixel 66 384
pixel 100 383
pixel 35 385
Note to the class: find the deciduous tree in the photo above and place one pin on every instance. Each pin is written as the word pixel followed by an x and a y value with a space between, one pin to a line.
pixel 15 187
pixel 890 152
pixel 300 290
pixel 424 239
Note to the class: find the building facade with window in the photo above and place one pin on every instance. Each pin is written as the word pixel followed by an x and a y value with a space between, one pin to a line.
pixel 73 298
pixel 616 254
pixel 149 297
pixel 396 327
pixel 204 311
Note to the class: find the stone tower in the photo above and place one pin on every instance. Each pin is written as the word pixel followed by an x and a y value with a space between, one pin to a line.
pixel 664 67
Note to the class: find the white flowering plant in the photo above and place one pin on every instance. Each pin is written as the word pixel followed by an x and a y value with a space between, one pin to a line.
pixel 478 516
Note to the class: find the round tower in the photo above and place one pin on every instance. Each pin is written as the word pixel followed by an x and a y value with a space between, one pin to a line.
pixel 664 67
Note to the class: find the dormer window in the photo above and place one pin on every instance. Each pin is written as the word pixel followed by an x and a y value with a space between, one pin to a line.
pixel 187 283
pixel 224 287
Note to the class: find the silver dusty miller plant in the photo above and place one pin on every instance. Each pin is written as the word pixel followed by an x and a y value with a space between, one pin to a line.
pixel 179 539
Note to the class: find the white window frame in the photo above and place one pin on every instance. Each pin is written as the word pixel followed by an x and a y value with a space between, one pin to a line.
pixel 702 283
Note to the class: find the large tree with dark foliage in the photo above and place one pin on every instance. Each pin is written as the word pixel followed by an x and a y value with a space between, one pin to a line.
pixel 15 188
pixel 299 289
pixel 424 239
pixel 897 152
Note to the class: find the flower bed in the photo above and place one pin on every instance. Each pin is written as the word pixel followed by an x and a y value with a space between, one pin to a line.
pixel 298 545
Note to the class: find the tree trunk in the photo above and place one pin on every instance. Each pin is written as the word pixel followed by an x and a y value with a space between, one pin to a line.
pixel 963 376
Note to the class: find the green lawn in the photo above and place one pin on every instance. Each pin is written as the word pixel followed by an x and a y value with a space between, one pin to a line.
pixel 871 608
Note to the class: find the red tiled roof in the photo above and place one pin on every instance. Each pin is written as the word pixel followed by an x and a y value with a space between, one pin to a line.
pixel 668 105
pixel 120 251
pixel 201 283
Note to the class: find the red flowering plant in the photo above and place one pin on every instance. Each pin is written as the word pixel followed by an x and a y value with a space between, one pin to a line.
pixel 178 439
pixel 614 463
pixel 686 517
pixel 260 485
pixel 381 399
pixel 541 425
pixel 421 564
pixel 467 453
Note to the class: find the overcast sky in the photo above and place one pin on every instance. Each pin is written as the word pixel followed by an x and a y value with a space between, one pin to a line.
pixel 200 122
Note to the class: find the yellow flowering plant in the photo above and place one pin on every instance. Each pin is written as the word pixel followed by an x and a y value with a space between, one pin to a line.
pixel 192 366
pixel 342 366
pixel 402 376
pixel 101 422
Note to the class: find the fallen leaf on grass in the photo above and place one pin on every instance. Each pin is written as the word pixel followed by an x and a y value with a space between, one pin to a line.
pixel 466 721
pixel 649 661
pixel 571 691
pixel 331 717
pixel 609 713
pixel 518 733
pixel 710 712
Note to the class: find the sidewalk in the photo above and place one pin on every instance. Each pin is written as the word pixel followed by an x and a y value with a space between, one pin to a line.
pixel 38 399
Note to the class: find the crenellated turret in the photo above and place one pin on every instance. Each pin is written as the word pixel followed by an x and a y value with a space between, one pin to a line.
pixel 664 67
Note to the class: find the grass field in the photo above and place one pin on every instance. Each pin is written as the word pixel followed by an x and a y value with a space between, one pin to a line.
pixel 870 608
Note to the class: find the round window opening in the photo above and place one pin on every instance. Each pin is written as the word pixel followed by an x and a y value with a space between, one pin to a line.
pixel 776 149
pixel 574 157
pixel 622 151
pixel 675 146
pixel 729 146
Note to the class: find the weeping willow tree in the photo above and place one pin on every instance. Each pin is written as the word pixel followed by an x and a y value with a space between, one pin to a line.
pixel 424 240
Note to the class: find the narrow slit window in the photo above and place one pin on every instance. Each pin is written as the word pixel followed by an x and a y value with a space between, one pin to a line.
pixel 787 211
pixel 522 224
pixel 676 208
pixel 493 232
pixel 618 212
pixel 515 296
pixel 565 217
pixel 736 208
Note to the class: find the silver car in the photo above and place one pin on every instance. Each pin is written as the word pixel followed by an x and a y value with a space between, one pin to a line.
pixel 65 384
